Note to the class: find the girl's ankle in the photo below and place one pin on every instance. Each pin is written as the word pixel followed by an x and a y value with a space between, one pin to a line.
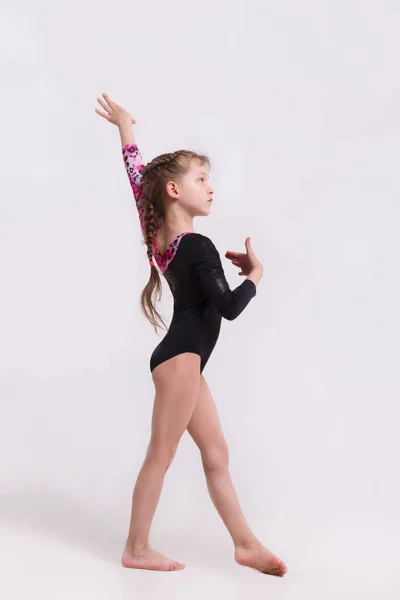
pixel 247 543
pixel 134 546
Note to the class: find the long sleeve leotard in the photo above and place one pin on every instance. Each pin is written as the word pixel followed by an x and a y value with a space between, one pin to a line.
pixel 192 267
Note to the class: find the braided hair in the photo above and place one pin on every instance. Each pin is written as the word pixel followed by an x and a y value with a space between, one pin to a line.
pixel 155 176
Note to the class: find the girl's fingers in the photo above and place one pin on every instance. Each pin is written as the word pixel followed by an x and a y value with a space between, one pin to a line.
pixel 110 102
pixel 103 105
pixel 102 114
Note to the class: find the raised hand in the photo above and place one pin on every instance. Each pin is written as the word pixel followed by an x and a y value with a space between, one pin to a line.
pixel 115 114
pixel 246 261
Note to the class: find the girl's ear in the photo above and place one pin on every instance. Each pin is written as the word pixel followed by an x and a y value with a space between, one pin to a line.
pixel 172 189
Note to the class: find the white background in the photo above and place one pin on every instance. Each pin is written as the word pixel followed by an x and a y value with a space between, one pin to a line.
pixel 297 106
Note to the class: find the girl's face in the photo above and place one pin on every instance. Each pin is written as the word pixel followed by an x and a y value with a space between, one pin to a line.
pixel 193 191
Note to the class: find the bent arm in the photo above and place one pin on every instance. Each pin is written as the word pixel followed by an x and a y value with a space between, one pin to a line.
pixel 207 265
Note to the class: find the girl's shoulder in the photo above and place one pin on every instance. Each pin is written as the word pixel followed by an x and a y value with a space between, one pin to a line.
pixel 199 239
pixel 198 243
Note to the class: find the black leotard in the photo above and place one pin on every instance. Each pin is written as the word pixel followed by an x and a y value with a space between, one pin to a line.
pixel 201 298
pixel 192 267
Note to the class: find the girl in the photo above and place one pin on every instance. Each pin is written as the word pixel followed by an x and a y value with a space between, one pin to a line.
pixel 169 192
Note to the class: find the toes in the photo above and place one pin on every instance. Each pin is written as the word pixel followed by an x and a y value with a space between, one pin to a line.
pixel 278 570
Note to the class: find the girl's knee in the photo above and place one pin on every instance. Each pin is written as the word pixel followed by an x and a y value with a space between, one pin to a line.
pixel 216 457
pixel 161 453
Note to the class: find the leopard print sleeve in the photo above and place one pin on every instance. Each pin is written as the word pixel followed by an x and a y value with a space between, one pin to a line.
pixel 133 164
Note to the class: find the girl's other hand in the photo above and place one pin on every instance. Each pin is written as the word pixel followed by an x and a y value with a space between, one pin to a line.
pixel 246 261
pixel 115 113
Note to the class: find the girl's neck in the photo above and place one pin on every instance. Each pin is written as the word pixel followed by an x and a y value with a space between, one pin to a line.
pixel 168 230
pixel 165 236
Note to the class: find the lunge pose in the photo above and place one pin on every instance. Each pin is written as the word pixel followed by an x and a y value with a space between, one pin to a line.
pixel 169 192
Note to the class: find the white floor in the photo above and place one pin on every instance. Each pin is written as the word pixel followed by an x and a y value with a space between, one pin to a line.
pixel 58 551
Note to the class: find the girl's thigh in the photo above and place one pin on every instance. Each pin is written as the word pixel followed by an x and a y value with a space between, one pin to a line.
pixel 177 382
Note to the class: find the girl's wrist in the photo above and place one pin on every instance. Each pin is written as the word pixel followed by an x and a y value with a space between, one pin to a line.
pixel 126 133
pixel 256 274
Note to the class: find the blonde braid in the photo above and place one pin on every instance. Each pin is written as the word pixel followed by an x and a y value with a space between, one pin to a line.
pixel 150 226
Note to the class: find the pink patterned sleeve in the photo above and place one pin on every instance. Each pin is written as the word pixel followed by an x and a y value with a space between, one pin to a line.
pixel 133 163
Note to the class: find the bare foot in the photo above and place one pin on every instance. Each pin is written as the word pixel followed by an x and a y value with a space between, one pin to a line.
pixel 256 556
pixel 149 559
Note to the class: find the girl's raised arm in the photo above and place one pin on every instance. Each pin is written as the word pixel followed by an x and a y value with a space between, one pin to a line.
pixel 133 163
pixel 132 158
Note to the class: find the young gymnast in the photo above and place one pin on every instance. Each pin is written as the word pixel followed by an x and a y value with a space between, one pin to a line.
pixel 169 192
